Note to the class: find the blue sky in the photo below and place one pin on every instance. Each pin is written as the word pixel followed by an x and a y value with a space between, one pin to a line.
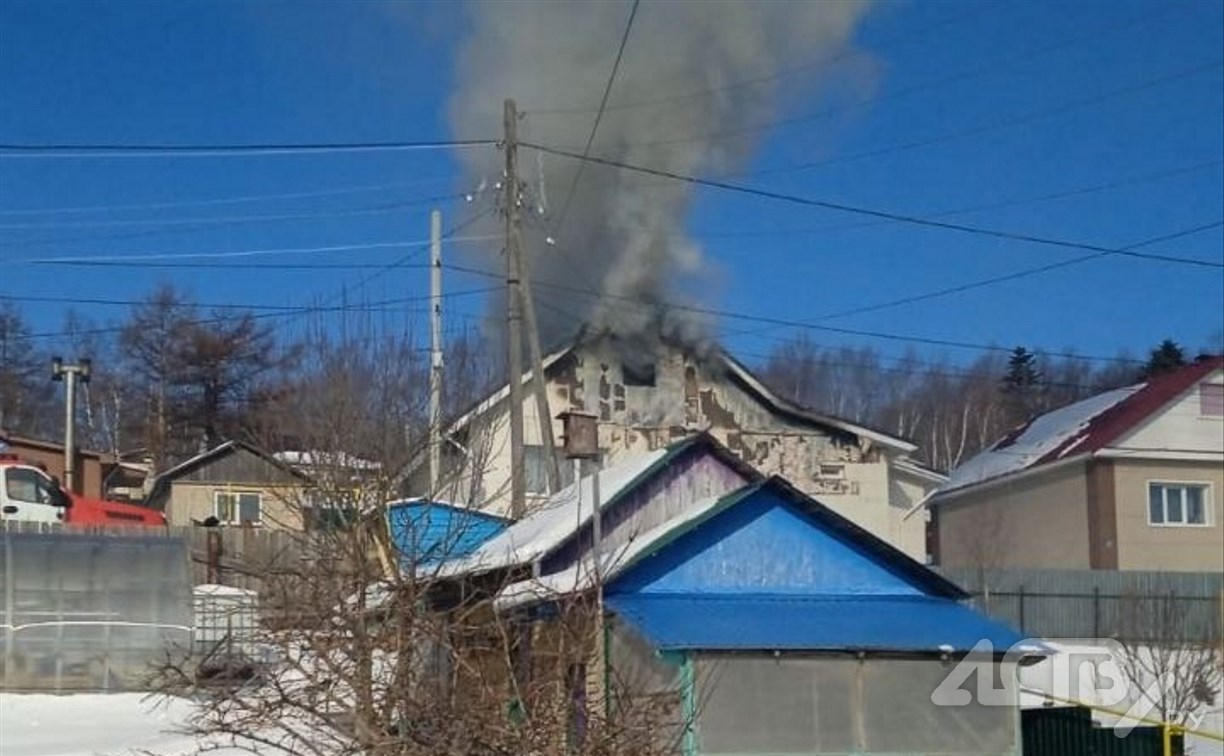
pixel 1094 122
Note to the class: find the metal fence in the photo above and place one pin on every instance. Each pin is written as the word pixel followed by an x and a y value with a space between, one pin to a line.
pixel 90 612
pixel 1126 605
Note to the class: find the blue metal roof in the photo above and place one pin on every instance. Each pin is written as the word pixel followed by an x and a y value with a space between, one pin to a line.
pixel 429 532
pixel 918 624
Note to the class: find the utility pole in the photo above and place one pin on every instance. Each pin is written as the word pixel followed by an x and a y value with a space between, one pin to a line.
pixel 435 352
pixel 70 374
pixel 552 464
pixel 514 315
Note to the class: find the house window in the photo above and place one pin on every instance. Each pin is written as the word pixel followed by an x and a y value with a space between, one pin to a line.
pixel 535 472
pixel 1211 400
pixel 238 508
pixel 1178 503
pixel 639 375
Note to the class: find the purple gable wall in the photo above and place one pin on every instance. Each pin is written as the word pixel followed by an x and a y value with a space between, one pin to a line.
pixel 695 476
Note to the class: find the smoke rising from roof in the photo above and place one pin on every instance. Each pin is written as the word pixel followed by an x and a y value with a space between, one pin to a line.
pixel 624 234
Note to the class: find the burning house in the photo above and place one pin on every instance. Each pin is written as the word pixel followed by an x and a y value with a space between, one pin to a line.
pixel 646 397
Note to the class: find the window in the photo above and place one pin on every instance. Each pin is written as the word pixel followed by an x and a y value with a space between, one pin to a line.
pixel 1211 399
pixel 239 508
pixel 641 374
pixel 28 486
pixel 535 472
pixel 1178 503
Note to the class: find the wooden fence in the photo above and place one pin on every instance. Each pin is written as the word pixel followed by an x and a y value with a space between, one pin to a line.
pixel 238 557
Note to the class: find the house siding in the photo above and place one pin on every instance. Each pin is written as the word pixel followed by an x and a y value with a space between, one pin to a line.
pixel 852 476
pixel 1041 521
pixel 1144 547
pixel 1181 426
pixel 192 502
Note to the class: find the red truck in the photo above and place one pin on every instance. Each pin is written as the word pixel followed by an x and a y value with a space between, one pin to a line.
pixel 29 494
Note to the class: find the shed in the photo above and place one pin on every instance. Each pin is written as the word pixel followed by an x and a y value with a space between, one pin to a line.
pixel 773 625
pixel 428 532
pixel 791 630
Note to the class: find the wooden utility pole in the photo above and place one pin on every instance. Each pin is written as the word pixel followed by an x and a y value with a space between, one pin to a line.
pixel 514 315
pixel 435 352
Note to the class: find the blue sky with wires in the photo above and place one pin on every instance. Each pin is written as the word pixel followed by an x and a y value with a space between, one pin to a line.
pixel 1092 123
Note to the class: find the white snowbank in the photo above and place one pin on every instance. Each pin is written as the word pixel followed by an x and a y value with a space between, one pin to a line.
pixel 90 724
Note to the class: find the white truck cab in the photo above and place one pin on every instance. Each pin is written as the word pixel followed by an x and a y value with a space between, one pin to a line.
pixel 30 495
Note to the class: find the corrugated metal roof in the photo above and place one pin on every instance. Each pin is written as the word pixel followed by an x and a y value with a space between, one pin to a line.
pixel 429 532
pixel 914 624
pixel 1084 427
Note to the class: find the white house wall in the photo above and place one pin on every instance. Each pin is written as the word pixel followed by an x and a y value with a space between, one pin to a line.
pixel 1180 427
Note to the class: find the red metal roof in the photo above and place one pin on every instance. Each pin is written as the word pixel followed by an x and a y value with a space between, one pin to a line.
pixel 1118 420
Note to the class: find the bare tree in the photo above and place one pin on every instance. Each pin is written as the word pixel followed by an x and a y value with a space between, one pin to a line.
pixel 27 402
pixel 1171 657
pixel 363 644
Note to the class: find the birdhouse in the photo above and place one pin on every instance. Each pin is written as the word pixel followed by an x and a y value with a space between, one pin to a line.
pixel 580 433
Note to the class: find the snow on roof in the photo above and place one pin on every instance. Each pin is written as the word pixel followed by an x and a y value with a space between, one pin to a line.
pixel 320 458
pixel 1036 440
pixel 560 517
pixel 581 575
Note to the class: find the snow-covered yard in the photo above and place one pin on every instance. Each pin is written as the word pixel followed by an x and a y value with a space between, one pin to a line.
pixel 89 724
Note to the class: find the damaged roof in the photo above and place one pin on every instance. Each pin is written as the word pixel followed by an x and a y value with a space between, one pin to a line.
pixel 1080 429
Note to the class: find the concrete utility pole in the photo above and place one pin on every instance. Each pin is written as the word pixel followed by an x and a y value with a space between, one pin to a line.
pixel 70 374
pixel 514 315
pixel 552 464
pixel 435 352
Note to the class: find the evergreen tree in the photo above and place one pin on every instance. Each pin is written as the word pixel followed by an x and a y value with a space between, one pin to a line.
pixel 1022 373
pixel 1022 387
pixel 1163 359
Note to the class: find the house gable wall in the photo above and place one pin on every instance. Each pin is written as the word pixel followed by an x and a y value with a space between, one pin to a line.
pixel 691 394
pixel 1180 426
pixel 685 483
pixel 192 495
pixel 724 556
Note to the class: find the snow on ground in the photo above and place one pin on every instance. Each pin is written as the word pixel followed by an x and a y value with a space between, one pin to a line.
pixel 89 724
pixel 1085 671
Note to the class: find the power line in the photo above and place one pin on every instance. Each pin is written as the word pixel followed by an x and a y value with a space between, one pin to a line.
pixel 964 210
pixel 961 76
pixel 870 212
pixel 657 304
pixel 224 305
pixel 1018 274
pixel 603 103
pixel 755 81
pixel 11 150
pixel 998 125
pixel 202 222
pixel 223 200
pixel 287 312
pixel 139 257
pixel 905 364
